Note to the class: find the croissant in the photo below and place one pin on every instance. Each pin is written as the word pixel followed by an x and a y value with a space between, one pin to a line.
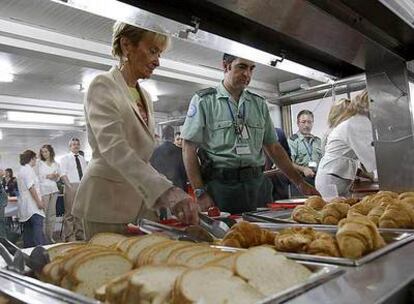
pixel 397 215
pixel 323 244
pixel 358 236
pixel 332 213
pixel 363 207
pixel 305 214
pixel 294 239
pixel 377 212
pixel 315 202
pixel 245 235
pixel 382 194
pixel 409 200
pixel 405 195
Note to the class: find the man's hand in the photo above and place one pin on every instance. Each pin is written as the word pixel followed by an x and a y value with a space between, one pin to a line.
pixel 205 202
pixel 307 189
pixel 308 172
pixel 186 211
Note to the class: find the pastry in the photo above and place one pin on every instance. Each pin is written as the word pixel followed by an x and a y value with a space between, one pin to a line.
pixel 245 235
pixel 405 195
pixel 332 213
pixel 324 244
pixel 315 202
pixel 305 214
pixel 358 236
pixel 397 215
pixel 375 213
pixel 294 239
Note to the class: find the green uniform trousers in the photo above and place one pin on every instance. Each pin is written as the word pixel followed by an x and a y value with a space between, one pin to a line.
pixel 238 196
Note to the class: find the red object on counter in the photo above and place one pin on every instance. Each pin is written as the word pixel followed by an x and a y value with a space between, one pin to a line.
pixel 213 211
pixel 276 206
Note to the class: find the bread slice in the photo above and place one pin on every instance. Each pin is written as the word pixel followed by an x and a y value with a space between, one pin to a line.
pixel 93 271
pixel 161 255
pixel 228 262
pixel 107 239
pixel 114 290
pixel 57 250
pixel 122 245
pixel 213 285
pixel 135 248
pixel 183 257
pixel 152 284
pixel 269 272
pixel 204 258
pixel 145 256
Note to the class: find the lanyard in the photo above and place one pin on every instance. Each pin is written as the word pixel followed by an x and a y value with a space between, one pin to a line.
pixel 237 127
pixel 308 148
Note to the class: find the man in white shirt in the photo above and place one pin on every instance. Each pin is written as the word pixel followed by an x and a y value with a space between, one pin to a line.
pixel 73 167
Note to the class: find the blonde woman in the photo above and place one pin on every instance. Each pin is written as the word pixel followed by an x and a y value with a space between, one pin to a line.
pixel 338 108
pixel 120 185
pixel 49 173
pixel 348 145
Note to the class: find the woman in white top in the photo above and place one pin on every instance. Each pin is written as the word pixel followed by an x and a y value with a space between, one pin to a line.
pixel 348 145
pixel 49 173
pixel 30 203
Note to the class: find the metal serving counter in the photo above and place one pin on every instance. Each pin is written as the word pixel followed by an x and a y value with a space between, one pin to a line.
pixel 384 280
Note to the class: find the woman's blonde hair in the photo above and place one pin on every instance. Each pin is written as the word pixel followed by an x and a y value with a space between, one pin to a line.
pixel 134 35
pixel 358 105
pixel 336 110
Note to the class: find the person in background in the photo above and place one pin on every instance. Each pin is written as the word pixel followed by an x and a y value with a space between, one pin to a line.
pixel 10 183
pixel 279 180
pixel 338 107
pixel 348 145
pixel 31 207
pixel 229 127
pixel 73 166
pixel 168 159
pixel 178 140
pixel 305 147
pixel 121 186
pixel 3 203
pixel 49 173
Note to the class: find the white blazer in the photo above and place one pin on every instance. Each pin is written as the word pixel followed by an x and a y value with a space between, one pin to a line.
pixel 120 185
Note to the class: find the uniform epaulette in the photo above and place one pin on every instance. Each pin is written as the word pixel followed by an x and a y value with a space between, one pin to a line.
pixel 207 91
pixel 254 94
pixel 294 137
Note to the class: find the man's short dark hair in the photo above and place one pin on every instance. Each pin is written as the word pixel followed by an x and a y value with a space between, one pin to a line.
pixel 228 59
pixel 304 112
pixel 26 157
pixel 177 134
pixel 168 133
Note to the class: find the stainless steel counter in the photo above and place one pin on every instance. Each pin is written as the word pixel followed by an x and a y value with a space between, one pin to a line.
pixel 371 283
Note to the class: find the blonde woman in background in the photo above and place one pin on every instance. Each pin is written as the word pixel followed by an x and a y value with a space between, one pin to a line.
pixel 49 173
pixel 348 145
pixel 335 112
pixel 120 185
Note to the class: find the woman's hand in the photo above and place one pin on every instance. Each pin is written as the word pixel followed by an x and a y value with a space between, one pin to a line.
pixel 181 205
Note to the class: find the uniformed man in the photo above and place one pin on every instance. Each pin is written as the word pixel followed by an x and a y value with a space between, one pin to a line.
pixel 305 148
pixel 227 128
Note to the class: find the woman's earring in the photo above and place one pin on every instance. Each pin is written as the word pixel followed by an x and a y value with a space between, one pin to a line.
pixel 126 58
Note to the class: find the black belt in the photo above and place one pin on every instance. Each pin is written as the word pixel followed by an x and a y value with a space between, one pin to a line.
pixel 238 174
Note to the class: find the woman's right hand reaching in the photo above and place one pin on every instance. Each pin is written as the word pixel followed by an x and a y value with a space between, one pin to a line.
pixel 181 205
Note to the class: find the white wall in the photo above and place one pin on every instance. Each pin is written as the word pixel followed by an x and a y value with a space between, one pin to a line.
pixel 275 114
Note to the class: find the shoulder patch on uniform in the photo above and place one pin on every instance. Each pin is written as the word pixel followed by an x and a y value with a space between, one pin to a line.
pixel 254 94
pixel 205 92
pixel 294 137
pixel 192 110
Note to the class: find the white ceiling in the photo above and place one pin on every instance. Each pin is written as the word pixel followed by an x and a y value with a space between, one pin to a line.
pixel 52 71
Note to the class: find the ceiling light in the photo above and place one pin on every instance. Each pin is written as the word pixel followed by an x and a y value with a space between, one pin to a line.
pixel 1 134
pixel 6 77
pixel 41 118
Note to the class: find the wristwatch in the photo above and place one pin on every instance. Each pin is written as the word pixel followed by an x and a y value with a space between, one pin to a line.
pixel 198 192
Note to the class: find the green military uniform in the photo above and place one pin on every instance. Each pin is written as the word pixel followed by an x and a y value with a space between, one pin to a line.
pixel 305 152
pixel 232 135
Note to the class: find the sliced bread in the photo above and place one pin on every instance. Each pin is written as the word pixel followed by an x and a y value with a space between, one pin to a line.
pixel 107 239
pixel 135 248
pixel 259 266
pixel 57 250
pixel 213 285
pixel 204 258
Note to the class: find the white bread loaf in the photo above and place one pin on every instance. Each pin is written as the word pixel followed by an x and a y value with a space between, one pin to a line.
pixel 59 249
pixel 213 285
pixel 180 256
pixel 161 256
pixel 152 284
pixel 145 256
pixel 269 272
pixel 122 245
pixel 135 248
pixel 228 262
pixel 107 239
pixel 93 271
pixel 204 258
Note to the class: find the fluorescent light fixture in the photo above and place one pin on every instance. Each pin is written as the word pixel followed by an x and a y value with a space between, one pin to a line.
pixel 1 134
pixel 41 118
pixel 111 8
pixel 6 77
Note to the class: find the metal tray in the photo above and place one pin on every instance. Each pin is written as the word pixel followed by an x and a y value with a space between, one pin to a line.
pixel 285 217
pixel 393 237
pixel 321 274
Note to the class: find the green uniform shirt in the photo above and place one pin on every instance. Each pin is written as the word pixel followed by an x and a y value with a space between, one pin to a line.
pixel 209 124
pixel 304 152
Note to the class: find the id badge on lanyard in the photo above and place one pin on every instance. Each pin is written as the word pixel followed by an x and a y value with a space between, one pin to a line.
pixel 311 164
pixel 241 132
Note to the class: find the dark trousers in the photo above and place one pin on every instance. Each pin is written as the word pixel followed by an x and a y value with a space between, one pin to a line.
pixel 280 186
pixel 33 232
pixel 238 196
pixel 294 190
